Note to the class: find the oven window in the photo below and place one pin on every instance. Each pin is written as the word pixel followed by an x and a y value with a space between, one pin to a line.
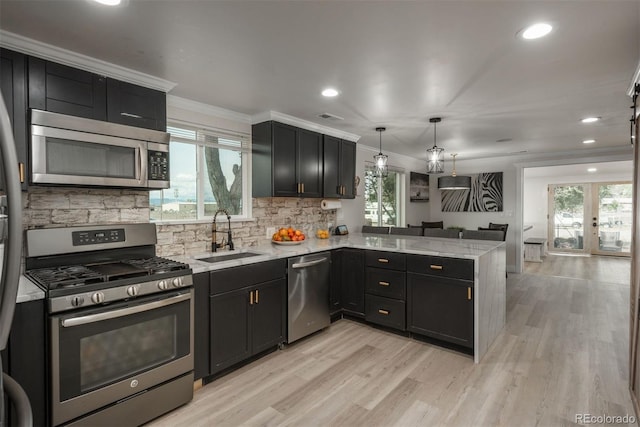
pixel 115 354
pixel 65 157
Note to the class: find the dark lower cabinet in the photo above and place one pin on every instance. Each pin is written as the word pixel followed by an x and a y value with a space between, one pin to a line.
pixel 352 277
pixel 335 282
pixel 441 308
pixel 66 90
pixel 25 358
pixel 246 322
pixel 13 89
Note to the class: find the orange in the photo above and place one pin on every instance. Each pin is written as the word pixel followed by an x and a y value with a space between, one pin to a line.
pixel 282 231
pixel 290 230
pixel 298 232
pixel 301 237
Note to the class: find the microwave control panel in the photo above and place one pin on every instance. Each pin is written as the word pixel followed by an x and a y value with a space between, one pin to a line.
pixel 158 166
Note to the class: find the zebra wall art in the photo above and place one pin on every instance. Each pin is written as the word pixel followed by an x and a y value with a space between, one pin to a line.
pixel 485 195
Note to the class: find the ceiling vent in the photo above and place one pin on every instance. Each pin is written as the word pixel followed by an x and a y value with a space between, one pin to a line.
pixel 329 116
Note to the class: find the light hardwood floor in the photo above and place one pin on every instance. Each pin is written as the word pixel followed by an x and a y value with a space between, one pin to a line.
pixel 563 352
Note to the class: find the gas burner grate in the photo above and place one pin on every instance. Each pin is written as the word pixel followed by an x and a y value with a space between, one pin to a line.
pixel 66 276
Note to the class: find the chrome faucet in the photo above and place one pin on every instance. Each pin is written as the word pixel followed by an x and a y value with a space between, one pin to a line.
pixel 214 244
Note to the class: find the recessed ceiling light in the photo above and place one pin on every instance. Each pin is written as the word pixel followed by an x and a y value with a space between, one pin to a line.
pixel 109 2
pixel 590 119
pixel 592 170
pixel 329 92
pixel 536 31
pixel 588 141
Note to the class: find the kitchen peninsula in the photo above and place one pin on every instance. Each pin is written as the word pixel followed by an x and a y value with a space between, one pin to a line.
pixel 479 266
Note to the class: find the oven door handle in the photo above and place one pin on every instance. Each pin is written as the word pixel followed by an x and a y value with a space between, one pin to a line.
pixel 83 320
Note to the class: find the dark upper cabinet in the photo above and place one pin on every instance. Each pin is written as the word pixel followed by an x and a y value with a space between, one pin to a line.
pixel 287 161
pixel 133 105
pixel 66 90
pixel 13 88
pixel 353 282
pixel 339 168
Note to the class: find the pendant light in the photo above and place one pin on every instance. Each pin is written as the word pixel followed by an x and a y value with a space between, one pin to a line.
pixel 435 155
pixel 454 182
pixel 381 168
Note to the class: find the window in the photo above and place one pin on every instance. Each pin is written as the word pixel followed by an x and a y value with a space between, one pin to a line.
pixel 383 198
pixel 209 170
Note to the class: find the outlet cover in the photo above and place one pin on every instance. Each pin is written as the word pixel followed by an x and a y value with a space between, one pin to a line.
pixel 270 231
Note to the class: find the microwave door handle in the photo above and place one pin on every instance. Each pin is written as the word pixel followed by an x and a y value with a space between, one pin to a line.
pixel 92 318
pixel 141 164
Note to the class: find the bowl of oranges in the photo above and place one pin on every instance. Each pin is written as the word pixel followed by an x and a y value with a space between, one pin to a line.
pixel 288 236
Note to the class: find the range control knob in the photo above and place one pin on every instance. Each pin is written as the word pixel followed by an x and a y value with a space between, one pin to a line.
pixel 177 282
pixel 162 284
pixel 97 298
pixel 132 291
pixel 77 301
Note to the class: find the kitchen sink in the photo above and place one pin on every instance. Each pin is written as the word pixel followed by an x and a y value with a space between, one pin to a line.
pixel 229 257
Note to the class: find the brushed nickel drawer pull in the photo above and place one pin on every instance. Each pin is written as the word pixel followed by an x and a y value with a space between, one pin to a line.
pixel 385 312
pixel 383 283
pixel 469 293
pixel 384 260
pixel 435 267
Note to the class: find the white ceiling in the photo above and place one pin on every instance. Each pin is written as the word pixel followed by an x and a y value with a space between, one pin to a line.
pixel 603 170
pixel 396 63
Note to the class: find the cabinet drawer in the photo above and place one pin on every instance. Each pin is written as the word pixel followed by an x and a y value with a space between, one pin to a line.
pixel 234 278
pixel 385 311
pixel 456 268
pixel 389 260
pixel 386 283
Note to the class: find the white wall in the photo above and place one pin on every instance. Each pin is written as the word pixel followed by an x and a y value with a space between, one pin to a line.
pixel 352 212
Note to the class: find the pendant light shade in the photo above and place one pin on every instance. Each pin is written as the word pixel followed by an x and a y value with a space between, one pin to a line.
pixel 435 155
pixel 454 182
pixel 381 168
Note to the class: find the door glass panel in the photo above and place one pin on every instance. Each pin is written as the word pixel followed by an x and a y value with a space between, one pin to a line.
pixel 568 218
pixel 65 157
pixel 614 217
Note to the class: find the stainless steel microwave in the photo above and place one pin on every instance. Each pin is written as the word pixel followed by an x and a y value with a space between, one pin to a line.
pixel 69 150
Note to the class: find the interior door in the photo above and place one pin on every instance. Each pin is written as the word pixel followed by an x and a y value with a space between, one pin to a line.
pixel 611 217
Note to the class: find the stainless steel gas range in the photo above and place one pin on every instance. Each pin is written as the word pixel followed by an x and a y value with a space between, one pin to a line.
pixel 120 323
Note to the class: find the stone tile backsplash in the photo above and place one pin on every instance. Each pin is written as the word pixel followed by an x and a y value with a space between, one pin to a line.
pixel 56 207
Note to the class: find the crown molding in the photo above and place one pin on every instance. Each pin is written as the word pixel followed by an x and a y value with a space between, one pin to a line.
pixel 304 124
pixel 636 79
pixel 211 110
pixel 66 57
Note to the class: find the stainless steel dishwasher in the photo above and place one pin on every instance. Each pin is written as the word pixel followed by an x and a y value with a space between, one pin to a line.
pixel 308 306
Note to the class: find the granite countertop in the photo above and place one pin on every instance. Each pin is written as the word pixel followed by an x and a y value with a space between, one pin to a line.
pixel 28 291
pixel 455 248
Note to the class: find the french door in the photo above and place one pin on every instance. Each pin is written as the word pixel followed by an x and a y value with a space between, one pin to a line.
pixel 590 218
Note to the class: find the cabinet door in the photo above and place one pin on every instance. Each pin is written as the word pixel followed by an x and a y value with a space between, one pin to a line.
pixel 335 284
pixel 331 172
pixel 133 105
pixel 285 179
pixel 348 169
pixel 441 308
pixel 353 281
pixel 13 88
pixel 201 325
pixel 268 315
pixel 61 89
pixel 310 163
pixel 229 317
